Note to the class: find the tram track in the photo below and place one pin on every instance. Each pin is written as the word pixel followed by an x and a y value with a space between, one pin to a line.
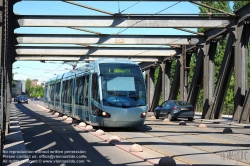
pixel 205 130
pixel 122 134
pixel 180 143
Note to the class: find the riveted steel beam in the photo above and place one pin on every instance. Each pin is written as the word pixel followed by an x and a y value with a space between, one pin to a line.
pixel 176 82
pixel 150 85
pixel 245 117
pixel 157 91
pixel 208 79
pixel 241 69
pixel 243 13
pixel 122 21
pixel 100 51
pixel 166 67
pixel 146 65
pixel 241 73
pixel 108 0
pixel 109 39
pixel 86 58
pixel 184 73
pixel 224 77
pixel 196 84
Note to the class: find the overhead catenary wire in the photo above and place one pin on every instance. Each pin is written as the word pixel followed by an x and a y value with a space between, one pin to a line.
pixel 149 16
pixel 172 41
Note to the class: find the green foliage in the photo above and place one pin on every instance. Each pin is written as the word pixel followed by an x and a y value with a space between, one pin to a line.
pixel 222 5
pixel 28 86
pixel 37 91
pixel 12 81
pixel 238 4
pixel 33 91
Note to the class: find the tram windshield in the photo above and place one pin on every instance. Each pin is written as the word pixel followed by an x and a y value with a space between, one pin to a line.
pixel 122 85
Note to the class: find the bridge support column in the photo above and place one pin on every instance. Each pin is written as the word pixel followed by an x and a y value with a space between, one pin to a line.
pixel 166 67
pixel 208 78
pixel 241 73
pixel 241 56
pixel 223 78
pixel 157 92
pixel 176 82
pixel 150 85
pixel 184 73
pixel 197 79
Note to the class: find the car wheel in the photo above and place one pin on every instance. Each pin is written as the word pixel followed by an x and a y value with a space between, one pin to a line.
pixel 170 116
pixel 156 114
pixel 190 119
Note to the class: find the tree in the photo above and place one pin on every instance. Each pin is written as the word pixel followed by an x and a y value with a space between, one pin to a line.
pixel 238 4
pixel 222 5
pixel 28 86
pixel 12 81
pixel 33 91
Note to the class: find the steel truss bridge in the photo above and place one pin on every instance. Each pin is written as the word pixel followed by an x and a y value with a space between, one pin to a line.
pixel 234 26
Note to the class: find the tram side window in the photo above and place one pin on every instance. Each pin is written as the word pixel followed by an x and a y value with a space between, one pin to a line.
pixel 57 97
pixel 79 90
pixel 95 92
pixel 52 92
pixel 64 92
pixel 86 91
pixel 69 91
pixel 45 92
pixel 78 82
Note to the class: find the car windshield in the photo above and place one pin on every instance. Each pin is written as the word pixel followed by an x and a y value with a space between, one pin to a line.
pixel 23 97
pixel 122 85
pixel 182 103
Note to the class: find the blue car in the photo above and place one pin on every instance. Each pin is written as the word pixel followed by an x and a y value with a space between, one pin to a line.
pixel 173 109
pixel 22 99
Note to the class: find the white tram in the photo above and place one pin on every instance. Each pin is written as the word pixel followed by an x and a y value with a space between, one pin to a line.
pixel 107 93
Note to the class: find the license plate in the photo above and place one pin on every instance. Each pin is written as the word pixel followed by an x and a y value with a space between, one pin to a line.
pixel 184 109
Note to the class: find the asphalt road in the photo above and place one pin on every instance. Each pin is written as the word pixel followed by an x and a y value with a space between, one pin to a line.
pixel 54 142
pixel 48 139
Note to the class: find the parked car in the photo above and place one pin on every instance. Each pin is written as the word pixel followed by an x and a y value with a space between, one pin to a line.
pixel 36 99
pixel 15 98
pixel 22 99
pixel 173 109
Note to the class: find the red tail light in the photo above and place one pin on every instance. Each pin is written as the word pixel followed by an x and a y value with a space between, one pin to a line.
pixel 143 115
pixel 175 108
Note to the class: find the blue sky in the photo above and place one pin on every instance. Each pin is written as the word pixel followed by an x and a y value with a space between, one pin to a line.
pixel 44 71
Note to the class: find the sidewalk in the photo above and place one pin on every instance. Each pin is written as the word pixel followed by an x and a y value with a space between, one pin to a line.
pixel 224 119
pixel 14 150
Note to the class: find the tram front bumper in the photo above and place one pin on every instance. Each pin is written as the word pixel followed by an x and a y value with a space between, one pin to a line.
pixel 110 123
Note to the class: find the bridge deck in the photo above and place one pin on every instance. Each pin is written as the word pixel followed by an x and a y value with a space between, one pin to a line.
pixel 40 131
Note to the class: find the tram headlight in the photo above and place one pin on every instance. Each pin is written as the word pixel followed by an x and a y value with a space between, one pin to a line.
pixel 105 114
pixel 143 115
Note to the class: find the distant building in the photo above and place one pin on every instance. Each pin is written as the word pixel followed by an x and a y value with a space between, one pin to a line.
pixel 40 83
pixel 37 83
pixel 18 88
pixel 33 83
pixel 23 86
